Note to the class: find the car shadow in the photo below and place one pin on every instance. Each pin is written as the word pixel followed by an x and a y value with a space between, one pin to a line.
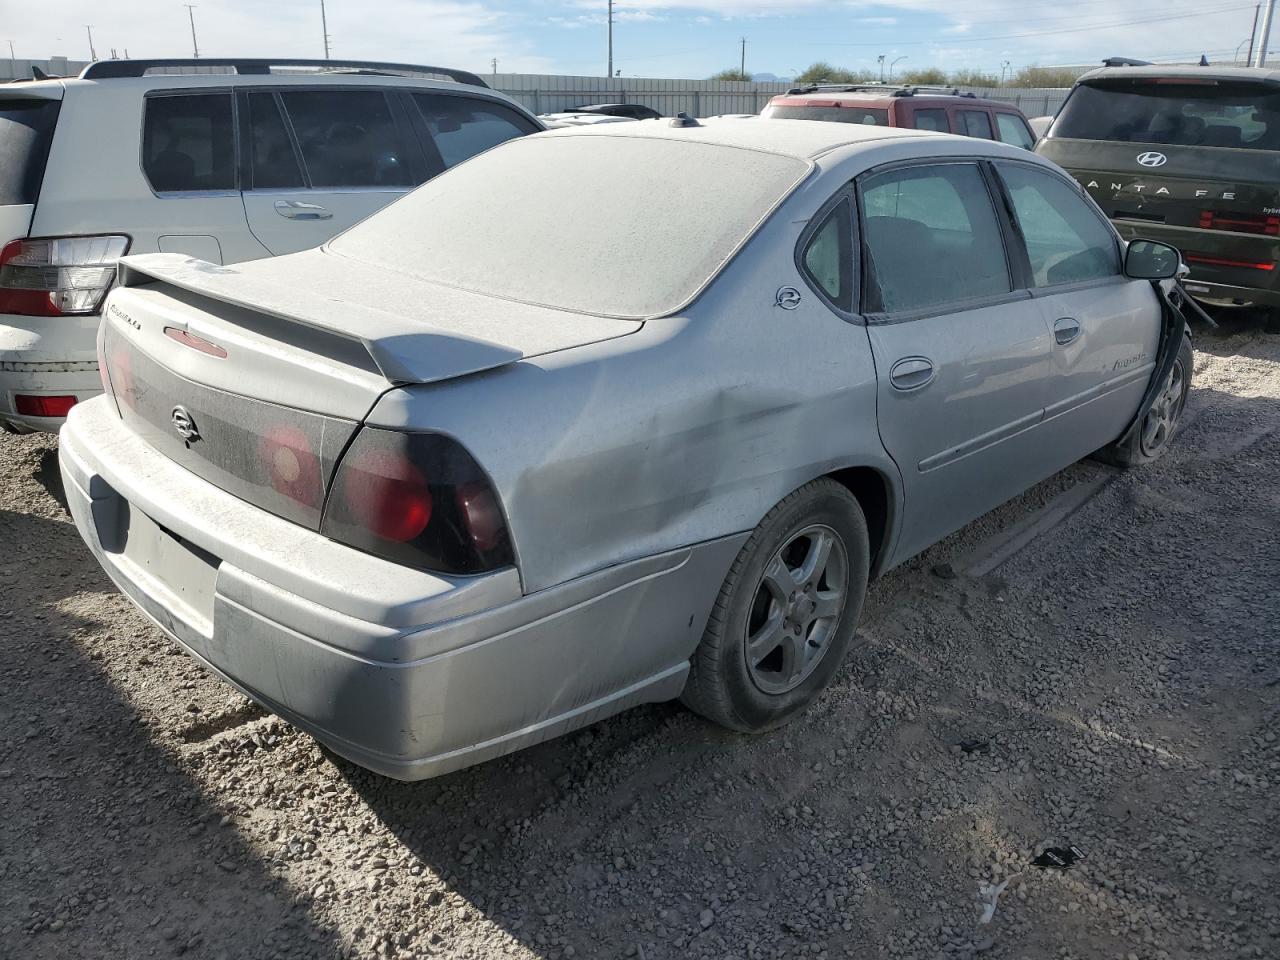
pixel 108 847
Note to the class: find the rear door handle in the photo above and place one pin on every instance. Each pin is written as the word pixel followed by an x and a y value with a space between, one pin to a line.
pixel 1065 330
pixel 911 373
pixel 298 210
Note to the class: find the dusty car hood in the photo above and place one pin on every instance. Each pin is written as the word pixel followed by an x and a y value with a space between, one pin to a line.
pixel 416 331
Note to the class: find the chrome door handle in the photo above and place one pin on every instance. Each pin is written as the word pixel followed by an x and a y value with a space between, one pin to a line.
pixel 1065 330
pixel 298 210
pixel 911 373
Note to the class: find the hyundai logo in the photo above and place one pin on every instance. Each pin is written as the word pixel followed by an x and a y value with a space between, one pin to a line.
pixel 1152 159
pixel 183 423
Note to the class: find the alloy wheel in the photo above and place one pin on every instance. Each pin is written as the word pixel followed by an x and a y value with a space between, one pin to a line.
pixel 1162 418
pixel 796 609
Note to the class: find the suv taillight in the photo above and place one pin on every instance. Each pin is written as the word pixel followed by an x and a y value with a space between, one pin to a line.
pixel 418 499
pixel 58 276
pixel 1239 222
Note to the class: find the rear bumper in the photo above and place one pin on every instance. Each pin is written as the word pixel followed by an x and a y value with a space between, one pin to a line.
pixel 46 356
pixel 407 673
pixel 1212 283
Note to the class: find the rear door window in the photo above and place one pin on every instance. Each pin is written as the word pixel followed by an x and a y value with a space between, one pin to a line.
pixel 188 143
pixel 461 127
pixel 975 123
pixel 932 119
pixel 1014 130
pixel 932 237
pixel 348 138
pixel 1066 241
pixel 1213 114
pixel 273 162
pixel 26 131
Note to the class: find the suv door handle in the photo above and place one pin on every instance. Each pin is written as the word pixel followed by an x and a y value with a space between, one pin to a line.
pixel 298 210
pixel 1065 330
pixel 911 373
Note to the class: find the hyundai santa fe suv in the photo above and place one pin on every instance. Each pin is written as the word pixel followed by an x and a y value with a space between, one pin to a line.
pixel 1187 155
pixel 254 159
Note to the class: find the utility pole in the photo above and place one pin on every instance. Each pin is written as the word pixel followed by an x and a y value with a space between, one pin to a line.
pixel 1005 66
pixel 893 64
pixel 191 15
pixel 1260 54
pixel 324 29
pixel 93 54
pixel 610 18
pixel 742 60
pixel 1253 32
pixel 494 62
pixel 880 60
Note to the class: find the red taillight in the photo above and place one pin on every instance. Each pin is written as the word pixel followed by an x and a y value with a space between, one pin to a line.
pixel 387 494
pixel 1239 223
pixel 418 499
pixel 291 465
pixel 35 405
pixel 54 276
pixel 1224 262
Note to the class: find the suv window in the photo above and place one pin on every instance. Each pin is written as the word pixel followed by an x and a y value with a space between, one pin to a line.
pixel 1066 241
pixel 1157 111
pixel 26 130
pixel 828 256
pixel 461 127
pixel 188 142
pixel 273 161
pixel 868 115
pixel 348 138
pixel 932 237
pixel 1014 130
pixel 975 123
pixel 932 119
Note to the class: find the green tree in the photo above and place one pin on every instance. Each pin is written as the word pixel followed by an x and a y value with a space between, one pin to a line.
pixel 1044 77
pixel 930 75
pixel 823 72
pixel 731 74
pixel 973 78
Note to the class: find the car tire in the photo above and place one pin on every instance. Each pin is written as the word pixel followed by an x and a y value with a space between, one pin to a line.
pixel 1160 424
pixel 813 627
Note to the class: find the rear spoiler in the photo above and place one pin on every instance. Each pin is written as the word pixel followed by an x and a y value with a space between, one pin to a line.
pixel 404 350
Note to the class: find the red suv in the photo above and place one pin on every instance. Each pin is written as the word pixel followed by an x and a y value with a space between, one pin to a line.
pixel 922 108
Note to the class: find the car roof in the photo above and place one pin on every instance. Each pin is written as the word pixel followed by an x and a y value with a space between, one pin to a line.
pixel 1155 71
pixel 803 139
pixel 879 97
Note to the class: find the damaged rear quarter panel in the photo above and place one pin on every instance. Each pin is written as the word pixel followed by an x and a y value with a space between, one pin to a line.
pixel 690 429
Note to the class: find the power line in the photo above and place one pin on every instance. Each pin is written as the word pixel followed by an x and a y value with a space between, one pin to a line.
pixel 1038 33
pixel 191 15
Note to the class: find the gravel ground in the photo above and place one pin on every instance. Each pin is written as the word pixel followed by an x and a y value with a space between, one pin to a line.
pixel 1114 685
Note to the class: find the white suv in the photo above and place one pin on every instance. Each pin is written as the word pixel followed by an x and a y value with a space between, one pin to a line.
pixel 244 159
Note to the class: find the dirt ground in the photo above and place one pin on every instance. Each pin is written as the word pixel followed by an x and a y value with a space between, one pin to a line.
pixel 1114 685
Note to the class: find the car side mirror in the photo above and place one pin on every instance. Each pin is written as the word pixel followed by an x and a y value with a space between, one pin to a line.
pixel 1151 260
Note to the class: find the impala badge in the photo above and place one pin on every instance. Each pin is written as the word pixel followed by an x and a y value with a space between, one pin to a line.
pixel 183 423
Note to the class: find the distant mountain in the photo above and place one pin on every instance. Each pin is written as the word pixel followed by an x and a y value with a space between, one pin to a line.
pixel 768 78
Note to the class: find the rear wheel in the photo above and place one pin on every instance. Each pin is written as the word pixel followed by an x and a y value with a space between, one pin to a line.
pixel 1159 425
pixel 786 613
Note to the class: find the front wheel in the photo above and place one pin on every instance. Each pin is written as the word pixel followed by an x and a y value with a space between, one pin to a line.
pixel 1160 423
pixel 786 612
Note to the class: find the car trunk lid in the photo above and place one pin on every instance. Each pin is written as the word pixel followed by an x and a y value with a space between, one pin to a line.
pixel 256 376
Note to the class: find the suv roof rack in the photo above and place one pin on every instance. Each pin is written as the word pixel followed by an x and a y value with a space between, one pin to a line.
pixel 893 89
pixel 1125 62
pixel 115 69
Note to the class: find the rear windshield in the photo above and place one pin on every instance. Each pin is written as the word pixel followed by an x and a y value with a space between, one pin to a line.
pixel 867 115
pixel 1179 114
pixel 617 226
pixel 26 130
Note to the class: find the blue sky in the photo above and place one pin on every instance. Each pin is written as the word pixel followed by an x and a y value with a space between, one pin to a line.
pixel 656 38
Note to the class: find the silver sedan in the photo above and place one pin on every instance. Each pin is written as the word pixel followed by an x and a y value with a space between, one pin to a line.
pixel 604 416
